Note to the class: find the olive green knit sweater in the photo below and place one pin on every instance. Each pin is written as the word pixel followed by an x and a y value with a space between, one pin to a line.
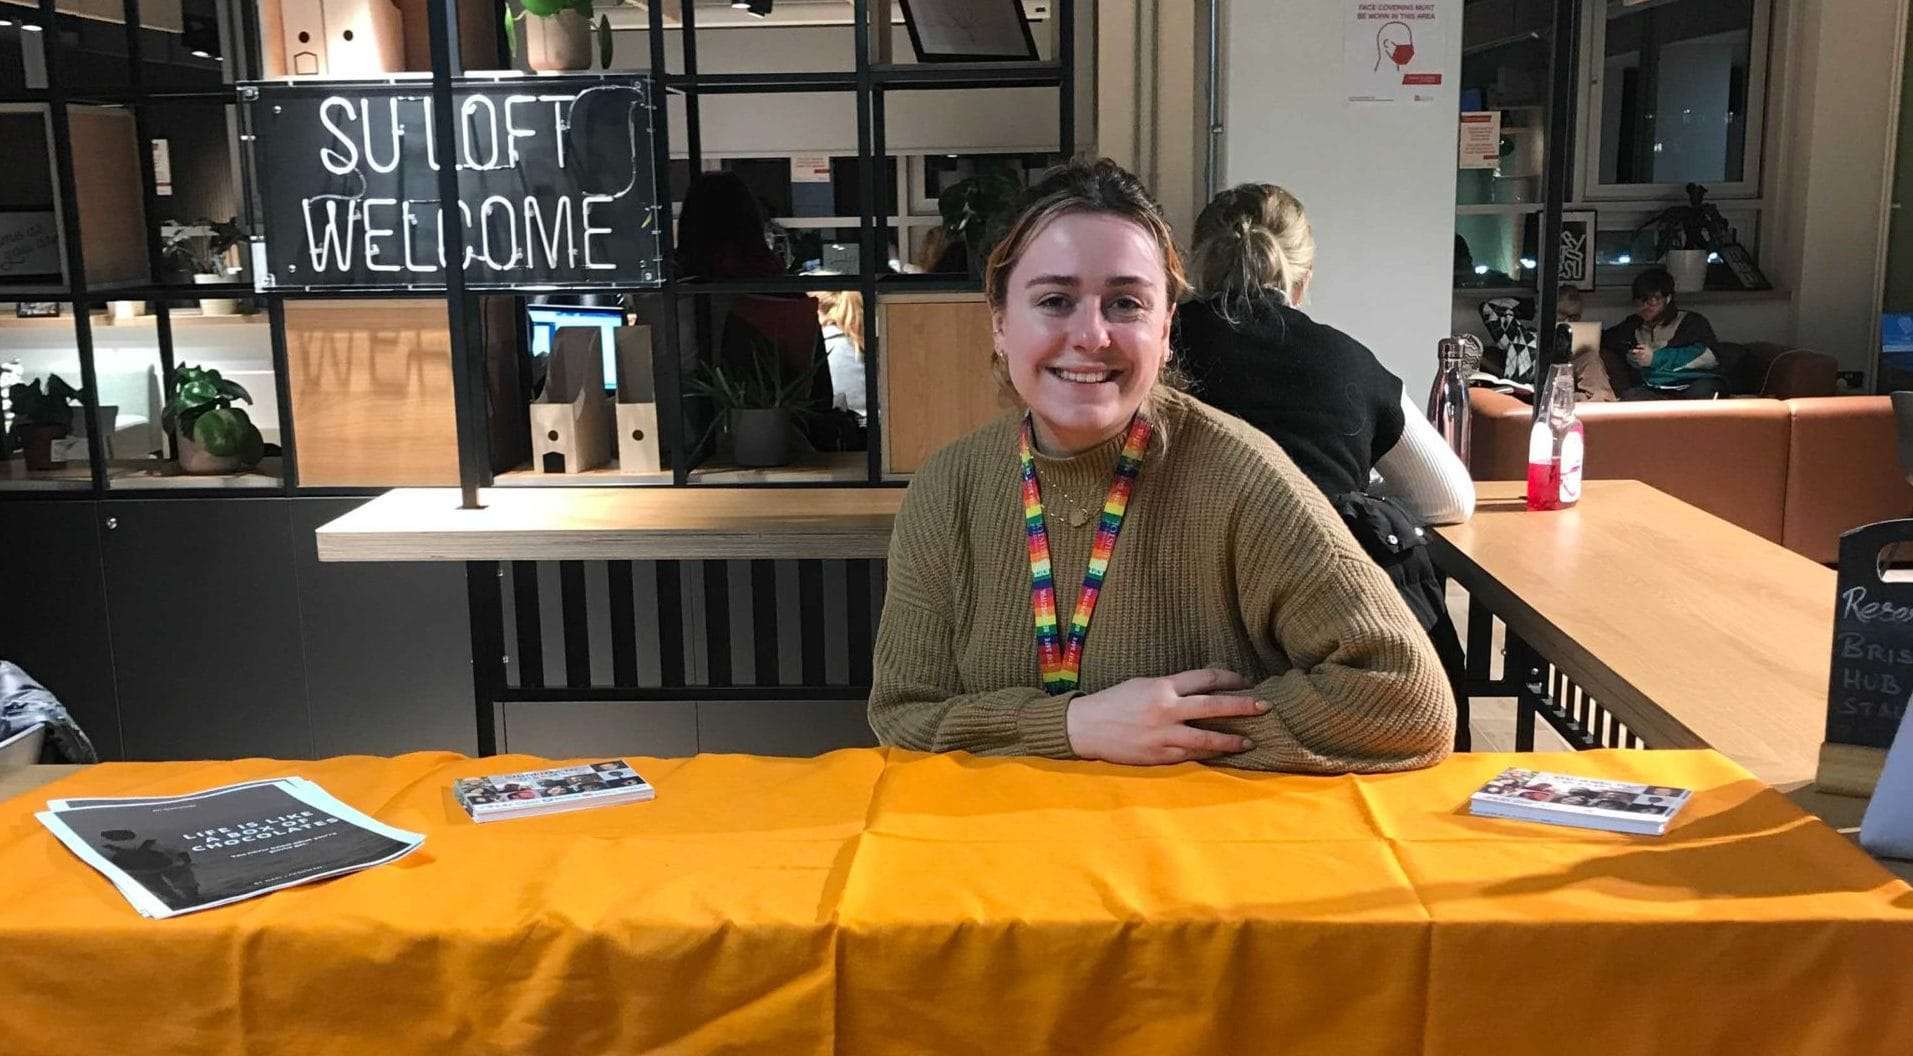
pixel 1228 558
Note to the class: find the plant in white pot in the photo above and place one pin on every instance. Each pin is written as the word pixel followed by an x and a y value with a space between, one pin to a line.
pixel 203 256
pixel 214 436
pixel 1685 235
pixel 758 405
pixel 555 35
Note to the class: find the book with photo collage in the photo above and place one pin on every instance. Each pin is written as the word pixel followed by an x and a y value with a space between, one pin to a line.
pixel 552 791
pixel 1582 802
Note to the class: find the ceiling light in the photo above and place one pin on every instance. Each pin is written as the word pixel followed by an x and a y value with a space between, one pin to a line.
pixel 1481 269
pixel 5 22
pixel 198 54
pixel 30 27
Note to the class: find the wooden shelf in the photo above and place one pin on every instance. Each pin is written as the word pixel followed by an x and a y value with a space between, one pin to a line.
pixel 132 475
pixel 825 467
pixel 616 524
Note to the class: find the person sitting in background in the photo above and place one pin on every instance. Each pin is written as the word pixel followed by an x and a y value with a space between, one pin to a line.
pixel 1224 614
pixel 1251 351
pixel 1670 354
pixel 841 313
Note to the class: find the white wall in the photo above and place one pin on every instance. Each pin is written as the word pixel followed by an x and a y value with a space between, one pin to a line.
pixel 1378 180
pixel 1833 145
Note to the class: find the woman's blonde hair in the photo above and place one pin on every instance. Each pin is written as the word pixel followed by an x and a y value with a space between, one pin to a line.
pixel 1252 240
pixel 1100 188
pixel 843 309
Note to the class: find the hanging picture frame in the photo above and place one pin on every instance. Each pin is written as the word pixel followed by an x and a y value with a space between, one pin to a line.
pixel 969 31
pixel 1577 248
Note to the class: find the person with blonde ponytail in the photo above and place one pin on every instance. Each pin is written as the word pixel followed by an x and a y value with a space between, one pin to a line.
pixel 1249 349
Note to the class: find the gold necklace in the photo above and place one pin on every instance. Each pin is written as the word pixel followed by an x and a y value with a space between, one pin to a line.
pixel 1078 513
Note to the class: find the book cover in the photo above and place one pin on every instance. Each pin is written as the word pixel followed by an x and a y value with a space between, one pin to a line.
pixel 170 855
pixel 1583 802
pixel 549 791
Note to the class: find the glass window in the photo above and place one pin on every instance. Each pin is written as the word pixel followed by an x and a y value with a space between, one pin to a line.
pixel 1674 92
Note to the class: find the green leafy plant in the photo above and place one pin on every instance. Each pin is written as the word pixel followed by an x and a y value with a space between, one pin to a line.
pixel 978 210
pixel 762 386
pixel 203 254
pixel 552 9
pixel 54 406
pixel 202 409
pixel 1695 225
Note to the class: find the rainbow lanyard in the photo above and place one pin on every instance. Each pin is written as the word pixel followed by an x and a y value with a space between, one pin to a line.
pixel 1061 666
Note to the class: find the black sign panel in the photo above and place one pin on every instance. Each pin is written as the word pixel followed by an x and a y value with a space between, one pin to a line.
pixel 1872 640
pixel 557 183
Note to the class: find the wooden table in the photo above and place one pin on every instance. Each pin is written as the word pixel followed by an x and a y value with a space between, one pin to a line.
pixel 1691 631
pixel 620 524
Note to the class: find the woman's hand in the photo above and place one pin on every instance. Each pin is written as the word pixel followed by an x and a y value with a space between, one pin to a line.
pixel 1145 721
pixel 1640 356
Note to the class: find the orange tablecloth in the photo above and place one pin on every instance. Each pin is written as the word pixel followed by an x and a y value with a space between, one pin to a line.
pixel 876 902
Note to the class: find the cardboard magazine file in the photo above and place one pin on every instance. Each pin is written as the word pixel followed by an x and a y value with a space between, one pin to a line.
pixel 332 38
pixel 1872 671
pixel 571 421
pixel 638 449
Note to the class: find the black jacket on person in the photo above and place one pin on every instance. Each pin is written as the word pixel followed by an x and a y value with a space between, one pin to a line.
pixel 1336 410
pixel 1318 392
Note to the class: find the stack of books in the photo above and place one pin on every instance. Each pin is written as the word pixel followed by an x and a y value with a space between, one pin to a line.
pixel 553 791
pixel 1583 802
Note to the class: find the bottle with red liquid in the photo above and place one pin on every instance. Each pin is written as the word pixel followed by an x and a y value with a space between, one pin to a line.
pixel 1555 445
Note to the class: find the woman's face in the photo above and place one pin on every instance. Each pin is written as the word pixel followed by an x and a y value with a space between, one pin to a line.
pixel 1084 328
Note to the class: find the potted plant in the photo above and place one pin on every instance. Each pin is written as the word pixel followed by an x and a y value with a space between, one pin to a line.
pixel 214 436
pixel 204 258
pixel 41 417
pixel 1684 235
pixel 757 404
pixel 978 210
pixel 554 35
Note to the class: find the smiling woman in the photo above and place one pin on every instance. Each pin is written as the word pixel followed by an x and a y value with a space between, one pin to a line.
pixel 1224 613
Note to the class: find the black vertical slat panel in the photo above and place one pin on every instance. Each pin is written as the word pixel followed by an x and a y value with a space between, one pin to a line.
pixel 577 623
pixel 717 621
pixel 1481 629
pixel 857 620
pixel 624 629
pixel 531 638
pixel 810 602
pixel 764 623
pixel 488 650
pixel 670 624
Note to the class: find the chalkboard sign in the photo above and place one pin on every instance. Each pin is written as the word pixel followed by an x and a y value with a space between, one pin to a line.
pixel 1872 641
pixel 557 183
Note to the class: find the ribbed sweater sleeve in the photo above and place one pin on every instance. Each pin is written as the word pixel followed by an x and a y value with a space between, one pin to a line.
pixel 917 699
pixel 1365 692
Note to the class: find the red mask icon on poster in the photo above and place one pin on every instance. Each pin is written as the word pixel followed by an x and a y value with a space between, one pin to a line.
pixel 1395 43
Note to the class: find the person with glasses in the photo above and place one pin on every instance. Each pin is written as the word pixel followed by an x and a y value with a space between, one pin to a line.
pixel 1662 351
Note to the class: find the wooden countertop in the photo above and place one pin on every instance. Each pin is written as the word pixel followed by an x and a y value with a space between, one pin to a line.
pixel 1693 631
pixel 629 524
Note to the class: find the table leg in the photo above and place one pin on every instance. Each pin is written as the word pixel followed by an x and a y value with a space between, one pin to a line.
pixel 1524 670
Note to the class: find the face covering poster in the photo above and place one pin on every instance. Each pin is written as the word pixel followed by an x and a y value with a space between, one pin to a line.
pixel 1395 51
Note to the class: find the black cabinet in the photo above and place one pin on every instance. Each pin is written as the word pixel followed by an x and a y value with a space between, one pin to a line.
pixel 204 609
pixel 387 647
pixel 53 614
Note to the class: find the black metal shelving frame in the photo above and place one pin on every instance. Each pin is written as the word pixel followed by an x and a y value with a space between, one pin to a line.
pixel 869 81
